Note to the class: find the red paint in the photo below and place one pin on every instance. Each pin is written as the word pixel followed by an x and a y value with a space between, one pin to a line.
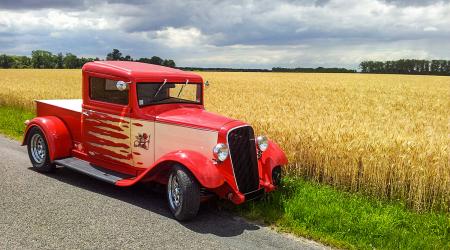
pixel 112 154
pixel 98 140
pixel 104 117
pixel 204 169
pixel 193 117
pixel 71 119
pixel 100 131
pixel 98 123
pixel 104 132
pixel 56 134
pixel 135 70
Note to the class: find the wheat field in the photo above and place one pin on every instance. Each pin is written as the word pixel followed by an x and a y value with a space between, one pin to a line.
pixel 383 135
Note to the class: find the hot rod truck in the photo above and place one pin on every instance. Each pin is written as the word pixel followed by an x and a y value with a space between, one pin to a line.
pixel 139 122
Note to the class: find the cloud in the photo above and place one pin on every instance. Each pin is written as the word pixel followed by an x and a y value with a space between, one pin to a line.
pixel 415 2
pixel 41 4
pixel 232 33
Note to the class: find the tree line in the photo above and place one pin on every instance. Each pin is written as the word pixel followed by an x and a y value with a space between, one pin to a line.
pixel 116 55
pixel 223 69
pixel 407 66
pixel 314 70
pixel 41 59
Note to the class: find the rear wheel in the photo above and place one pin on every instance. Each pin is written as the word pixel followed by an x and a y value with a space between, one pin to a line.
pixel 38 151
pixel 183 194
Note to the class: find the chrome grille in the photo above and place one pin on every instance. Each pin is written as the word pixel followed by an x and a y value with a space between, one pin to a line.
pixel 241 142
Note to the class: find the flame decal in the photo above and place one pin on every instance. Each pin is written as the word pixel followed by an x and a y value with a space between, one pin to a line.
pixel 96 130
pixel 108 138
pixel 105 117
pixel 98 123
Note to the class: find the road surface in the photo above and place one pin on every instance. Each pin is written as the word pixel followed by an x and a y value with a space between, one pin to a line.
pixel 66 209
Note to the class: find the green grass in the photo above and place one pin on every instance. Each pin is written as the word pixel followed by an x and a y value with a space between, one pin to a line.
pixel 321 212
pixel 11 121
pixel 349 220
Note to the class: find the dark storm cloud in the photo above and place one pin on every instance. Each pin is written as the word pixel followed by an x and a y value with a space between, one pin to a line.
pixel 41 4
pixel 249 33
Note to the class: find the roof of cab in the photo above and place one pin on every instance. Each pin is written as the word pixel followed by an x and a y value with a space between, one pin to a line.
pixel 135 70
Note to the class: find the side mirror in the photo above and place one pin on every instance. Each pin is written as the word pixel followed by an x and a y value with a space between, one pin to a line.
pixel 206 84
pixel 121 85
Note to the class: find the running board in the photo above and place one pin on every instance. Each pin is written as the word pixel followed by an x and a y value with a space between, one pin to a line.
pixel 87 168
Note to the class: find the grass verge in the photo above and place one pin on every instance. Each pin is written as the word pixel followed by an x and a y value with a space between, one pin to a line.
pixel 347 220
pixel 321 212
pixel 11 121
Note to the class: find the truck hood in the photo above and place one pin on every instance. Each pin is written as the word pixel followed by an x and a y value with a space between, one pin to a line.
pixel 194 117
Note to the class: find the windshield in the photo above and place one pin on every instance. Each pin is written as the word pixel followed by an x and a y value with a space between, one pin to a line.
pixel 149 93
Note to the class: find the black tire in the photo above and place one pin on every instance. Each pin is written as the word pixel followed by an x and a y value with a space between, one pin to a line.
pixel 277 175
pixel 185 204
pixel 38 151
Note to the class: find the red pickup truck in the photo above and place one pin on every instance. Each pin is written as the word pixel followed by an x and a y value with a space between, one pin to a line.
pixel 139 122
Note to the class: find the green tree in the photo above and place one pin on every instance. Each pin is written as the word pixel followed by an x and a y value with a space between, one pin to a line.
pixel 156 60
pixel 22 62
pixel 84 60
pixel 71 61
pixel 59 61
pixel 169 63
pixel 42 59
pixel 115 55
pixel 6 61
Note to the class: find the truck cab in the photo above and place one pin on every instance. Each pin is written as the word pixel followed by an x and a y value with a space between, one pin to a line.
pixel 139 122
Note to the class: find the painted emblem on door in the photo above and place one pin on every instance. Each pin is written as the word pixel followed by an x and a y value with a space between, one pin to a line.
pixel 142 141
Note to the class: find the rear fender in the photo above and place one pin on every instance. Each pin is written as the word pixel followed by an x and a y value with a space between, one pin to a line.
pixel 56 134
pixel 203 169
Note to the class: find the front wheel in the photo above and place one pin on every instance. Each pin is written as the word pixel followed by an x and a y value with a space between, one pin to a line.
pixel 38 151
pixel 183 194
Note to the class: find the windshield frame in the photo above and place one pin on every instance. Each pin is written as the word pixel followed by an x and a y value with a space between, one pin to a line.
pixel 172 102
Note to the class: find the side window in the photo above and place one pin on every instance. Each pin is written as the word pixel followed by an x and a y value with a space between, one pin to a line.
pixel 105 90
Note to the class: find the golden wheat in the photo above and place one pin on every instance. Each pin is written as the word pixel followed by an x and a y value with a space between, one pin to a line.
pixel 383 135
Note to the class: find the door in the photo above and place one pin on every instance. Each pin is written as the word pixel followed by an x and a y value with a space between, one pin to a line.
pixel 143 142
pixel 106 124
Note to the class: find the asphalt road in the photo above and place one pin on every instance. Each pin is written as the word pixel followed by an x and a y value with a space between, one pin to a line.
pixel 66 209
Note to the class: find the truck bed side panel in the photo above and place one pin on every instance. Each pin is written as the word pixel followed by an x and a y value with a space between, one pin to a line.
pixel 70 117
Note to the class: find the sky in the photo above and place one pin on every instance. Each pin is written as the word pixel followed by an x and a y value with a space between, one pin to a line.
pixel 239 34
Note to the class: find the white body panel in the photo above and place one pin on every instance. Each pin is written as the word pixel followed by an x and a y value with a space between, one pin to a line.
pixel 169 138
pixel 143 154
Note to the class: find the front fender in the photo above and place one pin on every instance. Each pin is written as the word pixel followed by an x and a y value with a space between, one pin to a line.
pixel 56 134
pixel 203 169
pixel 271 158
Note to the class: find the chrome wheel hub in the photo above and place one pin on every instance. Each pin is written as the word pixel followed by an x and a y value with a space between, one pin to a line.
pixel 174 192
pixel 38 149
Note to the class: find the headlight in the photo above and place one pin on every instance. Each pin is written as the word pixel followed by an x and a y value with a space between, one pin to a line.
pixel 263 142
pixel 220 152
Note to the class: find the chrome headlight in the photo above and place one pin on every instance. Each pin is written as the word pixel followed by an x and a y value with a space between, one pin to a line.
pixel 263 142
pixel 220 151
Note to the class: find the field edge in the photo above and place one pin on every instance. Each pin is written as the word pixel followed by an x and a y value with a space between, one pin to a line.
pixel 308 209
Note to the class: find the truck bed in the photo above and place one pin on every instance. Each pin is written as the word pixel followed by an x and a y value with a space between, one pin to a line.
pixel 68 110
